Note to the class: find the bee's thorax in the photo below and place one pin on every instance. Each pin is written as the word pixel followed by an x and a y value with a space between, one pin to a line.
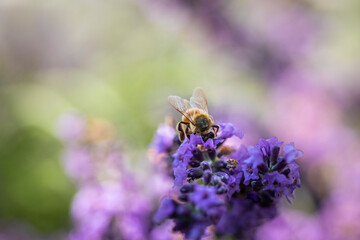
pixel 203 123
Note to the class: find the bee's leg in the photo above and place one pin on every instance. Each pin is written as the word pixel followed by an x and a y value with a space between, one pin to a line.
pixel 210 134
pixel 216 128
pixel 188 131
pixel 181 131
pixel 205 137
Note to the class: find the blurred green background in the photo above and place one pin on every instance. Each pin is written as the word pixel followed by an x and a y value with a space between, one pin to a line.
pixel 115 60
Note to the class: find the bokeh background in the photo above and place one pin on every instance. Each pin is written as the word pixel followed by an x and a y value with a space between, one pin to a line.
pixel 274 68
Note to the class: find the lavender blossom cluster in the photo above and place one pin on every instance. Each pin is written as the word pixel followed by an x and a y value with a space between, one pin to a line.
pixel 234 190
pixel 109 203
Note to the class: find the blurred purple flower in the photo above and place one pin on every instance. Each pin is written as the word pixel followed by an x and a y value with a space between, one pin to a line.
pixel 340 215
pixel 79 164
pixel 164 232
pixel 109 204
pixel 292 225
pixel 94 208
pixel 269 45
pixel 71 127
pixel 295 39
pixel 295 97
pixel 167 209
pixel 110 209
pixel 164 138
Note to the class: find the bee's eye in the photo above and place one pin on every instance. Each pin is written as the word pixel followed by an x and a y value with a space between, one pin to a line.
pixel 211 135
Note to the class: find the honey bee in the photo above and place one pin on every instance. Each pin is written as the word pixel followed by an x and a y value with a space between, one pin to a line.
pixel 196 118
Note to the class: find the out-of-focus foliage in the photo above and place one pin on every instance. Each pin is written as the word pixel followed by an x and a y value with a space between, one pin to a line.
pixel 104 59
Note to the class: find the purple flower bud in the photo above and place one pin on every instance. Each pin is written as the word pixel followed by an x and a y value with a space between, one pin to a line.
pixel 274 155
pixel 187 188
pixel 164 138
pixel 220 164
pixel 224 177
pixel 207 177
pixel 262 168
pixel 205 165
pixel 195 173
pixel 286 172
pixel 194 163
pixel 280 165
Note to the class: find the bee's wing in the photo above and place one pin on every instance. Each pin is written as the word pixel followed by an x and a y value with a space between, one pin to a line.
pixel 181 105
pixel 198 100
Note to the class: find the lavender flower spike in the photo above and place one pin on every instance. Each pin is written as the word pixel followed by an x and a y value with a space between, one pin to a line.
pixel 226 190
pixel 235 190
